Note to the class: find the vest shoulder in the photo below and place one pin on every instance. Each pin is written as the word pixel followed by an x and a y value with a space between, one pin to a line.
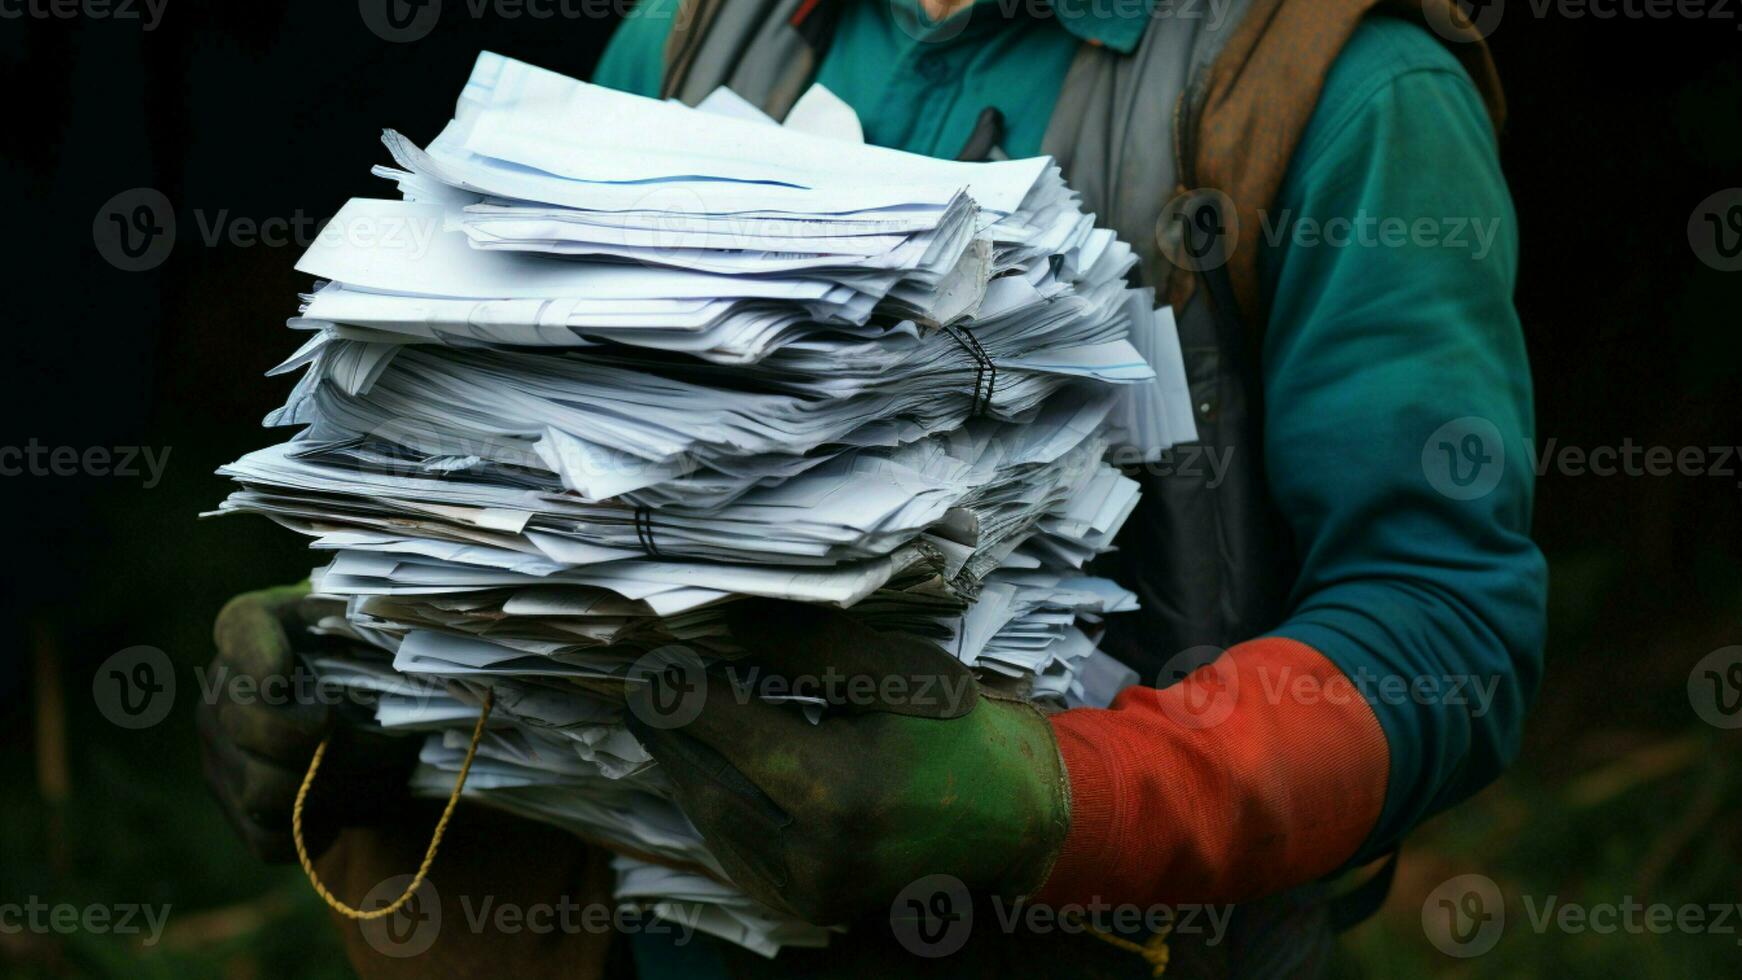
pixel 1384 47
pixel 1393 63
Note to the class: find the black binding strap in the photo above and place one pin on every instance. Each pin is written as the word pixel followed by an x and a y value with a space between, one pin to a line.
pixel 985 372
pixel 644 531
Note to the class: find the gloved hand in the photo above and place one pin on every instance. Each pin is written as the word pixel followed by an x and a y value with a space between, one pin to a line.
pixel 264 719
pixel 914 770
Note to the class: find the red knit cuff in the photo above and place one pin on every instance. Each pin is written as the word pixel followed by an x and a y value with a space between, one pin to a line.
pixel 1259 771
pixel 1095 772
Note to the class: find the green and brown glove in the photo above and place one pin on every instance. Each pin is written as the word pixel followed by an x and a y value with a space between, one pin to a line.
pixel 915 769
pixel 263 718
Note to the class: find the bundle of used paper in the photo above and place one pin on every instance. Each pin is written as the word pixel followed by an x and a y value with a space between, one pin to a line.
pixel 613 363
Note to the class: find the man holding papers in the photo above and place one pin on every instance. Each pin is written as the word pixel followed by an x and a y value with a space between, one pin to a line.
pixel 1340 630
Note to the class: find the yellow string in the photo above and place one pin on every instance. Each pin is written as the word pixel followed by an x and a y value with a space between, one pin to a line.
pixel 1154 949
pixel 435 840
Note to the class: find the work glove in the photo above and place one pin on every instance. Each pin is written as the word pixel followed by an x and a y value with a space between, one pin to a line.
pixel 263 718
pixel 915 769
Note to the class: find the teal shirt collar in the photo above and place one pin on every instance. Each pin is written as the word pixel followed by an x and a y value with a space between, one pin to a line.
pixel 1117 24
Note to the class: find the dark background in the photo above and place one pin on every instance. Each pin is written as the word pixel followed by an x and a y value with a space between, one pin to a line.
pixel 1619 129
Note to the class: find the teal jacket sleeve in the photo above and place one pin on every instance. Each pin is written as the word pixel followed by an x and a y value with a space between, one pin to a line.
pixel 634 60
pixel 1398 417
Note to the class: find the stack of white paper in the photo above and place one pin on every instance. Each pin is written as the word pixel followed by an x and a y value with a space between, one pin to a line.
pixel 613 363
